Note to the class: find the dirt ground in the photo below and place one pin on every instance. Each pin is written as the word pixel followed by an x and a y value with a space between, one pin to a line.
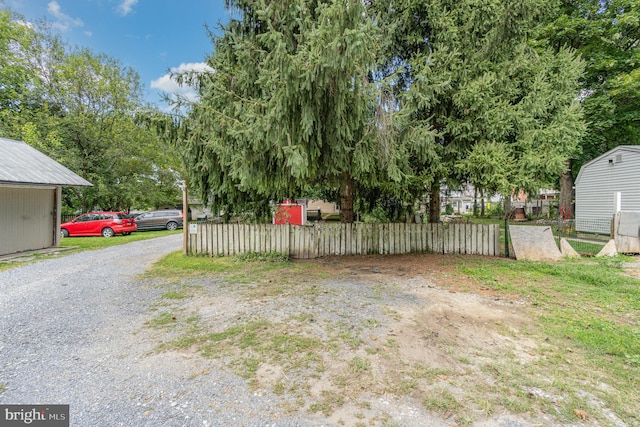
pixel 456 329
pixel 419 344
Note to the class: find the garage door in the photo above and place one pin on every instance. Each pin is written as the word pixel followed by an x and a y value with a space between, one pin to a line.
pixel 26 218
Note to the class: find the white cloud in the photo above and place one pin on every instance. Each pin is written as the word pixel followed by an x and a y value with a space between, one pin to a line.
pixel 168 85
pixel 63 21
pixel 126 7
pixel 88 33
pixel 26 24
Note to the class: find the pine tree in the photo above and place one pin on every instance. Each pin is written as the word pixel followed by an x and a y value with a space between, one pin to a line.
pixel 289 106
pixel 503 110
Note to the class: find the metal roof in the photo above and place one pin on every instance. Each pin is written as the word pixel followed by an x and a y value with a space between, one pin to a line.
pixel 22 164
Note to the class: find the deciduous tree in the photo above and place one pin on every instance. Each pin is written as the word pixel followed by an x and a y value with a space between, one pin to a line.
pixel 606 33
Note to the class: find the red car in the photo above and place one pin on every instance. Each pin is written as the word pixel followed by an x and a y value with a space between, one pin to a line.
pixel 106 224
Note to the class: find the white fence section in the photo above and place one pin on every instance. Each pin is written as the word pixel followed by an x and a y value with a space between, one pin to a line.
pixel 328 239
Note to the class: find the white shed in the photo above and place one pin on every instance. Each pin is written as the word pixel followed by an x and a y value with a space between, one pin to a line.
pixel 615 171
pixel 30 197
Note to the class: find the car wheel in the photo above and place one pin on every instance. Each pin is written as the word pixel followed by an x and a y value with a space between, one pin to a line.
pixel 64 232
pixel 171 225
pixel 107 232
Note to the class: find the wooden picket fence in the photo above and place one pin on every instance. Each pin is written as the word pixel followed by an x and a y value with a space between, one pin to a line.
pixel 329 239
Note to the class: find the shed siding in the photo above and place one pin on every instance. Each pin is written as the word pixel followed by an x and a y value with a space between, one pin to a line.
pixel 26 219
pixel 599 180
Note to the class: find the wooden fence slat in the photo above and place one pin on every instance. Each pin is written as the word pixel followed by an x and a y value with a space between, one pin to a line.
pixel 490 246
pixel 211 231
pixel 384 231
pixel 467 238
pixel 233 236
pixel 388 238
pixel 486 240
pixel 285 230
pixel 275 238
pixel 492 240
pixel 474 239
pixel 426 235
pixel 306 241
pixel 326 239
pixel 228 236
pixel 354 239
pixel 221 239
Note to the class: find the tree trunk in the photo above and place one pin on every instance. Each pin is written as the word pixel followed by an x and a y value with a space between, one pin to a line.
pixel 566 192
pixel 482 203
pixel 346 198
pixel 475 201
pixel 434 202
pixel 507 207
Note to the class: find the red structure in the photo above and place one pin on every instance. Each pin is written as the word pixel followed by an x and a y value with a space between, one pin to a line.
pixel 289 212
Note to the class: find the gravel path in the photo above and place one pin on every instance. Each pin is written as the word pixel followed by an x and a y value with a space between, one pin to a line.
pixel 68 336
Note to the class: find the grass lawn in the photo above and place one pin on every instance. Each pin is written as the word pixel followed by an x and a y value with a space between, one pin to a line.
pixel 75 244
pixel 590 311
pixel 100 242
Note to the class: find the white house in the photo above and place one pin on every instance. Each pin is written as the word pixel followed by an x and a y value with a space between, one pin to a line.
pixel 617 170
pixel 30 197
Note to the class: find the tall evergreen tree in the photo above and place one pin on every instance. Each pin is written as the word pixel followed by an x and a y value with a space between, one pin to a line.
pixel 503 110
pixel 290 105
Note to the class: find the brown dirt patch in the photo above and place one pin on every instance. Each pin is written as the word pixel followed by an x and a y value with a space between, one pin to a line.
pixel 392 340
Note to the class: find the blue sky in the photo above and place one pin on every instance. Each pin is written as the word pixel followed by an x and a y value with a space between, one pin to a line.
pixel 150 36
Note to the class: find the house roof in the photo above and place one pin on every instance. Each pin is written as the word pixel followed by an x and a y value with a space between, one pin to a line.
pixel 609 153
pixel 22 164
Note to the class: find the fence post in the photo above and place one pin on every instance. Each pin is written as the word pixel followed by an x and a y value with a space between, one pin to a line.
pixel 506 237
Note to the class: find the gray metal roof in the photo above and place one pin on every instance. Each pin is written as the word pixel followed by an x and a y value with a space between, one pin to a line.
pixel 22 164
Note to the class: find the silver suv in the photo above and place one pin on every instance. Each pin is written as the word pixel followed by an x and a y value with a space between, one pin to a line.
pixel 157 220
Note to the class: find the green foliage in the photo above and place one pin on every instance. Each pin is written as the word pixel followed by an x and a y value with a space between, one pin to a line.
pixel 379 101
pixel 607 35
pixel 262 257
pixel 78 107
pixel 288 105
pixel 503 109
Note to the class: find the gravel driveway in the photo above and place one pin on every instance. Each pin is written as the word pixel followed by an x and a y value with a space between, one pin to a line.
pixel 68 335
